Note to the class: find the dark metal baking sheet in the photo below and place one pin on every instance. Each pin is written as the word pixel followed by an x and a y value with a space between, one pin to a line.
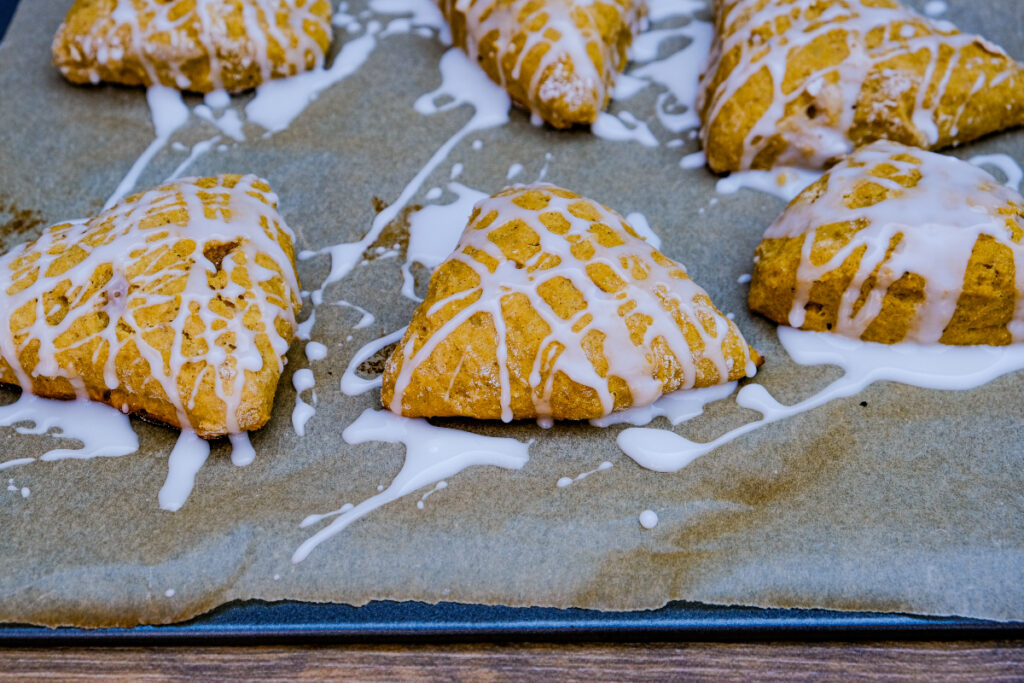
pixel 383 621
pixel 387 620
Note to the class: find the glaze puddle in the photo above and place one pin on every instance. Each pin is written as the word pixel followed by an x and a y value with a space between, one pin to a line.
pixel 930 366
pixel 432 454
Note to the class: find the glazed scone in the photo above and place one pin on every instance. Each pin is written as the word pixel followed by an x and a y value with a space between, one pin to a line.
pixel 556 58
pixel 194 45
pixel 176 304
pixel 551 306
pixel 898 244
pixel 803 82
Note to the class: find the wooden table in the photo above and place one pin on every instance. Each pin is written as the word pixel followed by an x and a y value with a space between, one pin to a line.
pixel 931 660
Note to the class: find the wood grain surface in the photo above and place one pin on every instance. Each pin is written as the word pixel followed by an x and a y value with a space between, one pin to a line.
pixel 989 660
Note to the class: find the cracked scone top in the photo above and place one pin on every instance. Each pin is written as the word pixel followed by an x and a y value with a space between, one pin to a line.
pixel 556 58
pixel 195 45
pixel 898 244
pixel 551 306
pixel 177 304
pixel 803 82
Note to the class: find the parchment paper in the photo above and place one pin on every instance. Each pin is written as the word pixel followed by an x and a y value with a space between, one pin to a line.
pixel 896 499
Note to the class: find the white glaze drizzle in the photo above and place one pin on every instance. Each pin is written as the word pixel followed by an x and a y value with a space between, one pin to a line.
pixel 1005 163
pixel 302 380
pixel 169 113
pixel 184 463
pixel 623 127
pixel 565 482
pixel 940 220
pixel 278 102
pixel 228 122
pixel 434 232
pixel 242 452
pixel 317 351
pixel 818 137
pixel 103 431
pixel 639 223
pixel 782 181
pixel 678 73
pixel 462 83
pixel 648 519
pixel 354 385
pixel 676 406
pixel 563 349
pixel 694 160
pixel 663 9
pixel 432 454
pixel 198 150
pixel 423 14
pixel 931 366
pixel 365 317
pixel 439 486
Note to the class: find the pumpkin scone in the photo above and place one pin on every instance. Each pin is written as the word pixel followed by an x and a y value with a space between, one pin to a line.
pixel 803 82
pixel 898 244
pixel 176 304
pixel 194 45
pixel 556 58
pixel 551 306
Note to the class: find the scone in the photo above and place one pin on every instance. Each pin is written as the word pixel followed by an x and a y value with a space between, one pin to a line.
pixel 551 306
pixel 176 304
pixel 195 45
pixel 898 244
pixel 556 58
pixel 803 82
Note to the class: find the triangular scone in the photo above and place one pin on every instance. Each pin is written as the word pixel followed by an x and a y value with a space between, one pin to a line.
pixel 195 45
pixel 551 306
pixel 176 304
pixel 803 82
pixel 556 58
pixel 898 244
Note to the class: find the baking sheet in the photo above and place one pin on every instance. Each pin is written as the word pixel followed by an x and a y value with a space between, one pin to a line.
pixel 385 620
pixel 910 503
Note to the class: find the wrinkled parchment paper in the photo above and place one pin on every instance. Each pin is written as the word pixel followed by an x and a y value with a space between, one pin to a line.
pixel 896 499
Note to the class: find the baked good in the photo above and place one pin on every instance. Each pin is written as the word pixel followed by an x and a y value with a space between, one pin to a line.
pixel 803 82
pixel 898 244
pixel 176 304
pixel 551 306
pixel 196 45
pixel 556 58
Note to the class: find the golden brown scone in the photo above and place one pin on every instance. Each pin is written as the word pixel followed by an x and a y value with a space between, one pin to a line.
pixel 191 45
pixel 177 304
pixel 898 244
pixel 803 82
pixel 551 306
pixel 556 58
